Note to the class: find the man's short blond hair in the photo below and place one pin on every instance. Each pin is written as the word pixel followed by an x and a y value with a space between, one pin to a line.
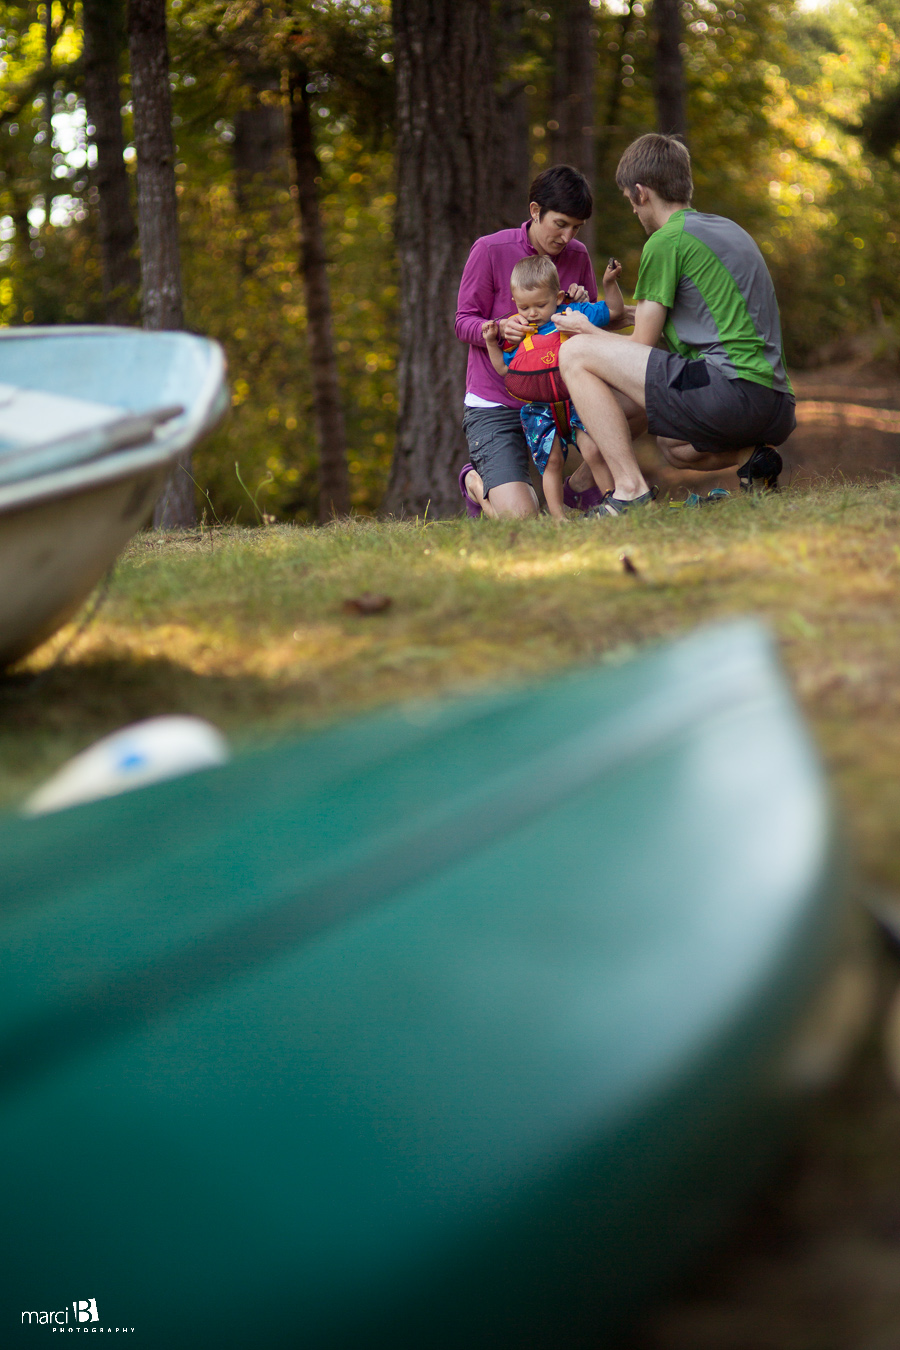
pixel 662 163
pixel 536 272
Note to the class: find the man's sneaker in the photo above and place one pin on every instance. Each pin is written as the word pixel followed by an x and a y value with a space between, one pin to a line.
pixel 617 506
pixel 581 501
pixel 762 468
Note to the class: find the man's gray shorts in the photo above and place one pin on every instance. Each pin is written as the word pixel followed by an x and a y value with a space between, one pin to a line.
pixel 694 401
pixel 497 446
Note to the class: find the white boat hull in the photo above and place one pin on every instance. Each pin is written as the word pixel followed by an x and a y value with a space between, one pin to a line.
pixel 61 531
pixel 55 547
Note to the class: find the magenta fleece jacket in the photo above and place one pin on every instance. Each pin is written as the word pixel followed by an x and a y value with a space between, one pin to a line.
pixel 484 294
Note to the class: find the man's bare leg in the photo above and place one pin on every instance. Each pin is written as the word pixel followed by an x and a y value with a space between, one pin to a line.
pixel 681 455
pixel 595 367
pixel 582 479
pixel 601 476
pixel 507 501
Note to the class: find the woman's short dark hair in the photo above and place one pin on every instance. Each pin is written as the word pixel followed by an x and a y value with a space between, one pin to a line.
pixel 662 163
pixel 562 189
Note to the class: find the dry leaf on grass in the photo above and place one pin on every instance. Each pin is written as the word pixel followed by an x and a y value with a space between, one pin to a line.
pixel 368 603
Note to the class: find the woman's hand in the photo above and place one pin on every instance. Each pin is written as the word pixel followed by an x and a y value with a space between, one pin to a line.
pixel 572 321
pixel 577 293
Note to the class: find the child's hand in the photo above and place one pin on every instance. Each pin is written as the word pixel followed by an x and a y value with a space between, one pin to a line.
pixel 489 331
pixel 613 272
pixel 577 293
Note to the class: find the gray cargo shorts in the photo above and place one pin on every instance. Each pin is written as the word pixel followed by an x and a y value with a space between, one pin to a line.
pixel 497 446
pixel 695 401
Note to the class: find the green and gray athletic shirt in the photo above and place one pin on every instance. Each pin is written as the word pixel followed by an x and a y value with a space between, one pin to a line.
pixel 713 280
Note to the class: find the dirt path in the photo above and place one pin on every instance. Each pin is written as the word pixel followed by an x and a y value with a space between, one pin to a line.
pixel 848 423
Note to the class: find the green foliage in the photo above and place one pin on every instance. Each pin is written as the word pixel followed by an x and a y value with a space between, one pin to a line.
pixel 777 99
pixel 259 316
pixel 781 107
pixel 834 247
pixel 240 248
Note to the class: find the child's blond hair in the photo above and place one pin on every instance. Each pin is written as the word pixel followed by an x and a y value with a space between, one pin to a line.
pixel 536 272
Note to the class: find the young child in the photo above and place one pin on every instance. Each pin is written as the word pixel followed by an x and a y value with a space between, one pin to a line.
pixel 535 289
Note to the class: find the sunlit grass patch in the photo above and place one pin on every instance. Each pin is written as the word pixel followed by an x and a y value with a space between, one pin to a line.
pixel 249 627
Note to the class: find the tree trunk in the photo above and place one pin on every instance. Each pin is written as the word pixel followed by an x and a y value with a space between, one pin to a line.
pixel 670 103
pixel 512 157
pixel 445 199
pixel 260 175
pixel 258 149
pixel 104 39
pixel 49 96
pixel 328 411
pixel 610 129
pixel 573 94
pixel 157 213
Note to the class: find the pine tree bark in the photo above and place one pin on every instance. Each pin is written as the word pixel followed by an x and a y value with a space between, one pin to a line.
pixel 573 93
pixel 671 118
pixel 261 174
pixel 606 139
pixel 104 40
pixel 258 151
pixel 161 301
pixel 50 36
pixel 512 156
pixel 445 200
pixel 328 411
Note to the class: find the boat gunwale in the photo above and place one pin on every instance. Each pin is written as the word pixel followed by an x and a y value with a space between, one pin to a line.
pixel 206 409
pixel 82 478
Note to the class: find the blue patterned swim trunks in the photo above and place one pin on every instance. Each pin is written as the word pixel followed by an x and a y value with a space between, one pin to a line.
pixel 540 431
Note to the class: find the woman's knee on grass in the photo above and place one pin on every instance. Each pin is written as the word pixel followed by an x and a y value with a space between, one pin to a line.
pixel 511 501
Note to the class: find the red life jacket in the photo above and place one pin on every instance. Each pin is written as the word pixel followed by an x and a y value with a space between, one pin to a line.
pixel 533 376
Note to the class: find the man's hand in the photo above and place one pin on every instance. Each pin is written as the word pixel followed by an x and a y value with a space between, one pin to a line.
pixel 572 321
pixel 513 328
pixel 577 293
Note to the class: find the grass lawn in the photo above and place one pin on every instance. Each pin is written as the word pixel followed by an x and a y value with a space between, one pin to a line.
pixel 248 627
pixel 251 629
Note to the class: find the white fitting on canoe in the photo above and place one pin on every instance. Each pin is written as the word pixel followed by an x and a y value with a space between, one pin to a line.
pixel 146 752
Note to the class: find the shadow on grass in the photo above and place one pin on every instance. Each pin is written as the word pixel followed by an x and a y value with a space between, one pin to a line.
pixel 48 717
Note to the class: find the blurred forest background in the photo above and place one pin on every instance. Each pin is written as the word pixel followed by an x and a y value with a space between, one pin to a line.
pixel 288 114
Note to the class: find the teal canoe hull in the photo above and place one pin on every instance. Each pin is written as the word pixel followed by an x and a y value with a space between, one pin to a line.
pixel 463 1025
